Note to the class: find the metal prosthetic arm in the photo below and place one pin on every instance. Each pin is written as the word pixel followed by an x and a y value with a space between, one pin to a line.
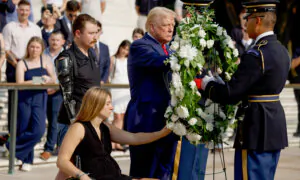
pixel 64 69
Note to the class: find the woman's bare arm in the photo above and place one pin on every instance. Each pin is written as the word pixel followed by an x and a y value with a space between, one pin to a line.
pixel 124 137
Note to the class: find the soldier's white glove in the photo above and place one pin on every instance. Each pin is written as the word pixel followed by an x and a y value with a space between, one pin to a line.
pixel 206 80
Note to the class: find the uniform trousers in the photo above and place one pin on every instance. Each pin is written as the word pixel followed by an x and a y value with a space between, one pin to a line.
pixel 255 165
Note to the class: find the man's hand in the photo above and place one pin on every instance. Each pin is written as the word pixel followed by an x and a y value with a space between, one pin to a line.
pixel 202 82
pixel 11 58
pixel 56 11
pixel 51 91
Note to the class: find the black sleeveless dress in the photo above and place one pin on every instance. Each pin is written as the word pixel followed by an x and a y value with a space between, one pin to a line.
pixel 95 154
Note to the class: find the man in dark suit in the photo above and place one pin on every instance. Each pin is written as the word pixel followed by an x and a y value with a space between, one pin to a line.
pixel 66 21
pixel 102 56
pixel 148 78
pixel 260 78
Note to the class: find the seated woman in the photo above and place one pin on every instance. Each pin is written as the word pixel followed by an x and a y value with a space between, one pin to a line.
pixel 90 139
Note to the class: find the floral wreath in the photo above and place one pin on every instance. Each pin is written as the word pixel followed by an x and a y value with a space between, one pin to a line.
pixel 200 45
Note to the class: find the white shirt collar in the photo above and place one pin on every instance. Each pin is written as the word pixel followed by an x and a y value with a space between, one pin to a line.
pixel 268 33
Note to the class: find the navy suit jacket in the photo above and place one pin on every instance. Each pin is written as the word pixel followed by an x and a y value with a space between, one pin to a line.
pixel 148 80
pixel 65 30
pixel 104 61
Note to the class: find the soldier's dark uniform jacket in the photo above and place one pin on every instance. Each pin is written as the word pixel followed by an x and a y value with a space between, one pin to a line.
pixel 260 78
pixel 76 74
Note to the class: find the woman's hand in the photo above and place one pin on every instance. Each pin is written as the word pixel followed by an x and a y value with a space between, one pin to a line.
pixel 165 131
pixel 51 91
pixel 85 177
pixel 46 79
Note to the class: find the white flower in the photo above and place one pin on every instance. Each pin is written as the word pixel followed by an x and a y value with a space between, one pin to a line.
pixel 193 137
pixel 174 46
pixel 228 55
pixel 192 121
pixel 170 125
pixel 199 111
pixel 179 129
pixel 173 100
pixel 222 114
pixel 188 52
pixel 176 80
pixel 225 32
pixel 203 43
pixel 219 31
pixel 193 85
pixel 227 76
pixel 230 44
pixel 182 112
pixel 174 64
pixel 179 93
pixel 168 111
pixel 173 59
pixel 235 53
pixel 219 70
pixel 232 121
pixel 175 67
pixel 184 42
pixel 209 127
pixel 209 118
pixel 187 63
pixel 210 43
pixel 198 94
pixel 183 52
pixel 199 66
pixel 202 33
pixel 195 26
pixel 174 117
pixel 186 20
pixel 222 129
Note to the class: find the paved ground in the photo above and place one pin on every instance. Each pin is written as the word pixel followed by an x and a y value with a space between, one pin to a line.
pixel 288 168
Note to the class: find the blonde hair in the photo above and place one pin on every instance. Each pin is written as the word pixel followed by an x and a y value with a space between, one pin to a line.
pixel 92 103
pixel 156 14
pixel 34 39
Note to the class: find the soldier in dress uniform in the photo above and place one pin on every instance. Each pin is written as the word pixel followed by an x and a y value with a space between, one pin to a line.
pixel 260 78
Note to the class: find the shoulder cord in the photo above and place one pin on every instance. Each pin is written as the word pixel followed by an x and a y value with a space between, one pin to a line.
pixel 262 43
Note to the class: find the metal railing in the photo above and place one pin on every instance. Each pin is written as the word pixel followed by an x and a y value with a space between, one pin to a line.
pixel 14 107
